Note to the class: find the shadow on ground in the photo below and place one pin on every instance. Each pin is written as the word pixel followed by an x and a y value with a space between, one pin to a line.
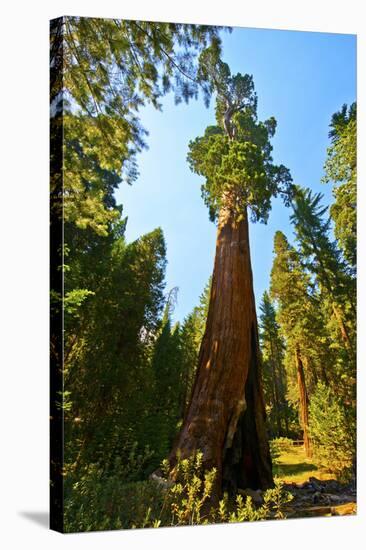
pixel 41 518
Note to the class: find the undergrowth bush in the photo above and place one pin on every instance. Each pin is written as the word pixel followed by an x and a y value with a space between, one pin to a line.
pixel 332 430
pixel 100 498
pixel 273 507
pixel 191 490
pixel 98 502
pixel 188 500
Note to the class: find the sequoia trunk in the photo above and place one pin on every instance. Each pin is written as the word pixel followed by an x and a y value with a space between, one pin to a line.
pixel 225 419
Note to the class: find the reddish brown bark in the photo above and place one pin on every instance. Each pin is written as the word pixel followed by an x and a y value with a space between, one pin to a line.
pixel 226 416
pixel 304 401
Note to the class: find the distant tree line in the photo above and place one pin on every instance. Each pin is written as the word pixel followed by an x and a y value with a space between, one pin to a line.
pixel 308 318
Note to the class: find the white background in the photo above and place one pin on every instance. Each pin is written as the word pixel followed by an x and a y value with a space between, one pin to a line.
pixel 24 273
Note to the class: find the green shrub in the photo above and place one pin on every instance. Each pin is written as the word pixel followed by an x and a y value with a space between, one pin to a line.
pixel 191 490
pixel 273 507
pixel 102 503
pixel 100 499
pixel 332 431
pixel 275 500
pixel 99 502
pixel 190 496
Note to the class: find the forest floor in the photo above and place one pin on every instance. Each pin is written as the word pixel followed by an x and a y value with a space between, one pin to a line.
pixel 292 466
pixel 316 492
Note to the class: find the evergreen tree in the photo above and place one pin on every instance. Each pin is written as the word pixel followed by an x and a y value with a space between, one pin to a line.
pixel 107 370
pixel 168 384
pixel 341 168
pixel 323 259
pixel 191 335
pixel 274 375
pixel 290 288
pixel 102 72
pixel 226 418
pixel 333 432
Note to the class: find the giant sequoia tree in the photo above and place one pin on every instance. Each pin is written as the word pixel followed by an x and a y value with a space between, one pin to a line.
pixel 102 71
pixel 226 417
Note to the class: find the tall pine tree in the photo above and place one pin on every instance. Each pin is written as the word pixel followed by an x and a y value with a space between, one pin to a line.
pixel 289 287
pixel 274 375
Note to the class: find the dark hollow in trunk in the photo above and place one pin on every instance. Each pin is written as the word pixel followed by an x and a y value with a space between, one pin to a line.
pixel 225 419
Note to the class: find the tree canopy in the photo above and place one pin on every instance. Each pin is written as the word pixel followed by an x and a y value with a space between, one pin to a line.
pixel 103 71
pixel 341 168
pixel 234 156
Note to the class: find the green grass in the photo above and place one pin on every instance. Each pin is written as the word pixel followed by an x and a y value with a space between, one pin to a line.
pixel 292 466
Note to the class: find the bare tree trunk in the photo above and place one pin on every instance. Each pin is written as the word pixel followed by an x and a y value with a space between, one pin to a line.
pixel 304 401
pixel 226 415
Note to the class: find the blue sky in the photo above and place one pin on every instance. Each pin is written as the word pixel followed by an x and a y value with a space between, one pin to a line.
pixel 301 79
